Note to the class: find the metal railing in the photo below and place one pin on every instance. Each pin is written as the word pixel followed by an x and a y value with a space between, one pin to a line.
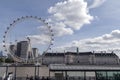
pixel 63 78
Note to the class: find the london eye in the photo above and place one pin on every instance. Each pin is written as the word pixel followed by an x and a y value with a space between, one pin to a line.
pixel 17 37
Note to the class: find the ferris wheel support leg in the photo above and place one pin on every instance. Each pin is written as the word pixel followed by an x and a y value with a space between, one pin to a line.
pixel 26 58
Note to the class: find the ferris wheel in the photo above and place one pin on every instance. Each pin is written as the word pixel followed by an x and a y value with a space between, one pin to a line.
pixel 43 37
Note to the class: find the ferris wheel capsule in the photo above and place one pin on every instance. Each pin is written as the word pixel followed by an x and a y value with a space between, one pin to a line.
pixel 18 19
pixel 51 43
pixel 51 30
pixel 3 36
pixel 39 18
pixel 5 50
pixel 31 16
pixel 43 20
pixel 27 16
pixel 14 21
pixel 52 39
pixel 22 17
pixel 10 24
pixel 8 28
pixel 52 34
pixel 4 46
pixel 35 17
pixel 3 41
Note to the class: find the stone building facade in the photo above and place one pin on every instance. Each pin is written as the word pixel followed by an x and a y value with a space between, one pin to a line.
pixel 81 58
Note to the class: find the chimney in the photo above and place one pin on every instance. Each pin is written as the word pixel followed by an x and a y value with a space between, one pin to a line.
pixel 77 50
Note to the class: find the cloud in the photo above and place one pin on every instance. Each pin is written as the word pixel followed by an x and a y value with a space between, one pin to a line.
pixel 39 39
pixel 68 16
pixel 106 42
pixel 61 29
pixel 96 3
pixel 65 17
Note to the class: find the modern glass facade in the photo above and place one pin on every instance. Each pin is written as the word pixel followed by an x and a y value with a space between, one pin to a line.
pixel 86 75
pixel 86 72
pixel 108 75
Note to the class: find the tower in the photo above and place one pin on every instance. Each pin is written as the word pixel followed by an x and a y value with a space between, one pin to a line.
pixel 35 52
pixel 22 49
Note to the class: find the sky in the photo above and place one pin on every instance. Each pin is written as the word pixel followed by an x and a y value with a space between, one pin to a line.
pixel 90 25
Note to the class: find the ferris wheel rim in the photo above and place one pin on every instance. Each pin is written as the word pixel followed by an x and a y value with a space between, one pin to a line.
pixel 22 19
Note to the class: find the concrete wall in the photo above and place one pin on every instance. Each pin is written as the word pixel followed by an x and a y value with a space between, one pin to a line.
pixel 24 71
pixel 2 71
pixel 82 59
pixel 78 59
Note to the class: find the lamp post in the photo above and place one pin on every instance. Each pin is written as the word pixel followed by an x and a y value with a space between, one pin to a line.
pixel 6 70
pixel 37 65
pixel 35 72
pixel 15 71
pixel 38 71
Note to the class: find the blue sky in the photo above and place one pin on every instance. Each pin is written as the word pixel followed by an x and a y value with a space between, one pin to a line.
pixel 101 30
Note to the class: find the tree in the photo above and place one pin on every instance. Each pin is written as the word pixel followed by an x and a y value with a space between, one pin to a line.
pixel 9 60
pixel 1 60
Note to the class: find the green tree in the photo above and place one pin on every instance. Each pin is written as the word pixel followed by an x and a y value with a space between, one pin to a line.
pixel 9 60
pixel 1 60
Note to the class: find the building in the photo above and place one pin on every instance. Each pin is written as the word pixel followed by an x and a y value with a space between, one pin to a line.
pixel 106 59
pixel 78 58
pixel 84 72
pixel 70 66
pixel 22 49
pixel 18 52
pixel 53 58
pixel 35 52
pixel 81 58
pixel 83 66
pixel 63 72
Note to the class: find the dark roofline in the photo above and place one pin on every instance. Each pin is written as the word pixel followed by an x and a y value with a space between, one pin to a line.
pixel 80 53
pixel 105 54
pixel 68 53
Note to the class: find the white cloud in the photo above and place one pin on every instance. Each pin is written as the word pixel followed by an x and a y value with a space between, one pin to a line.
pixel 106 42
pixel 39 39
pixel 68 16
pixel 96 3
pixel 61 29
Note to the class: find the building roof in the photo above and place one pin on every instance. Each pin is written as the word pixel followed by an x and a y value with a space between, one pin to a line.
pixel 102 54
pixel 64 67
pixel 67 53
pixel 106 54
pixel 79 53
